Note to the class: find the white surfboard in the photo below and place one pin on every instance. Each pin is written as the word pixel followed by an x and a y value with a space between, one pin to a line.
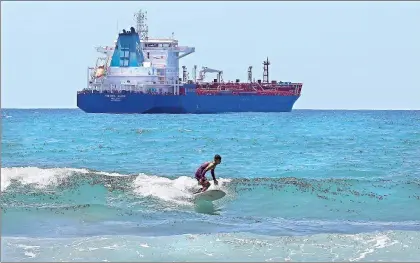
pixel 209 195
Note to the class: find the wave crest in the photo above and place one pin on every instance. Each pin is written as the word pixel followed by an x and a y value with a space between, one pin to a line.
pixel 44 180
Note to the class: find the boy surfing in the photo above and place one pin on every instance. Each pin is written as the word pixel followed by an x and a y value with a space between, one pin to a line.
pixel 200 174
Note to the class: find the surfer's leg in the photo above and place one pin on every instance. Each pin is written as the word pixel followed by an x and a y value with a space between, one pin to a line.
pixel 199 181
pixel 206 184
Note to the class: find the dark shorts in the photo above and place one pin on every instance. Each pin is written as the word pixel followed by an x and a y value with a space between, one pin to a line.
pixel 198 175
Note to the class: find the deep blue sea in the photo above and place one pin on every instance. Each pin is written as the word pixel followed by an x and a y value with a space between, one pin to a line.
pixel 301 186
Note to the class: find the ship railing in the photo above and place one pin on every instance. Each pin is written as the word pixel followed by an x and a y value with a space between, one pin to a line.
pixel 239 92
pixel 114 89
pixel 198 92
pixel 118 91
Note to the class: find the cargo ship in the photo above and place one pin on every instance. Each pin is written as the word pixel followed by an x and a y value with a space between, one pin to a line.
pixel 139 74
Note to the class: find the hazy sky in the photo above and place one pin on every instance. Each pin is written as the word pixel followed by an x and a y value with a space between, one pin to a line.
pixel 349 55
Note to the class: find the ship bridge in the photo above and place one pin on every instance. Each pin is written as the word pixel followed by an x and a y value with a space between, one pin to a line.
pixel 170 45
pixel 156 45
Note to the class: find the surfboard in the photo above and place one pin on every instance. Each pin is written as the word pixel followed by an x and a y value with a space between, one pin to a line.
pixel 209 195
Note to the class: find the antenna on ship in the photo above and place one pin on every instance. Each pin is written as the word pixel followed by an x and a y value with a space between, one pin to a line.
pixel 195 73
pixel 142 27
pixel 265 74
pixel 250 74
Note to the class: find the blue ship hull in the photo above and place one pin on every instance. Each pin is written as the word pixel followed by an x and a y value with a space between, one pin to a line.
pixel 190 103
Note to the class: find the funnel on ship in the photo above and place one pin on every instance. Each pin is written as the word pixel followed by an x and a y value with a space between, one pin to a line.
pixel 128 51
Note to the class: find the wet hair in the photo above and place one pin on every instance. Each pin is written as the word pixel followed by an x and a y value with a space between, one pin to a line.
pixel 217 157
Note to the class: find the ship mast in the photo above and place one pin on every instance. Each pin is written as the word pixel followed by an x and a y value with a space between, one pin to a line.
pixel 250 74
pixel 142 27
pixel 265 74
pixel 184 74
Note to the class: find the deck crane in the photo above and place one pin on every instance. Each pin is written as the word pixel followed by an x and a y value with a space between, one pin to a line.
pixel 205 70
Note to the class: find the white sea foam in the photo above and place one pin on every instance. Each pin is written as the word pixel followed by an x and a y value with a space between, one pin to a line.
pixel 378 246
pixel 177 190
pixel 38 177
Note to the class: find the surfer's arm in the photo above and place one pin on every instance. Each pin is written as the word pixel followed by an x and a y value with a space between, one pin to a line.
pixel 213 175
pixel 209 167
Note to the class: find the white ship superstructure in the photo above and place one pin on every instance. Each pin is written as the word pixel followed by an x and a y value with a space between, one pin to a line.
pixel 158 69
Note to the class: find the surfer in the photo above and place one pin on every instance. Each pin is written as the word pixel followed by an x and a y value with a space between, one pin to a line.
pixel 200 174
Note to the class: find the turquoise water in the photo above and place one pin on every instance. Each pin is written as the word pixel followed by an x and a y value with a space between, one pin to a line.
pixel 301 186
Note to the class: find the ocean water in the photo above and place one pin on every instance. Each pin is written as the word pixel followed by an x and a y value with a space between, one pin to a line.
pixel 301 186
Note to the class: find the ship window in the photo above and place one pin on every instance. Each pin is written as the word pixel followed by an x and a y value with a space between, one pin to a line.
pixel 124 52
pixel 123 62
pixel 124 57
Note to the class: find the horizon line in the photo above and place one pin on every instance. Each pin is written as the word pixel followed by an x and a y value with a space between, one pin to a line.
pixel 297 109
